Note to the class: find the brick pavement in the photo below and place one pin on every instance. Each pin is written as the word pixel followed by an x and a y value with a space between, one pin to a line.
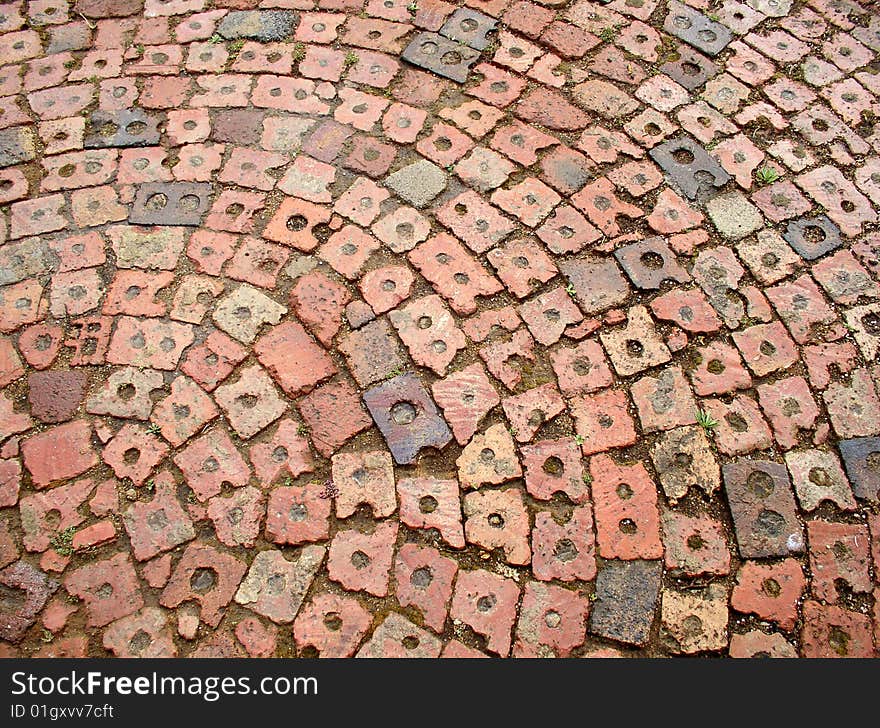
pixel 417 328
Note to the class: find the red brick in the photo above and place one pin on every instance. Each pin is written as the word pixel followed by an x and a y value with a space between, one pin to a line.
pixel 522 266
pixel 487 603
pixel 297 515
pixel 309 179
pixel 397 637
pixel 520 142
pixel 10 481
pixel 23 303
pixel 569 40
pixel 602 421
pixel 372 352
pixel 61 102
pixel 854 407
pixel 694 545
pixel 59 453
pixel 789 406
pixel 105 501
pixel 581 369
pixel 529 411
pixel 474 221
pixel 233 210
pixel 839 555
pixel 334 414
pixel 45 514
pixel 12 422
pixel 671 214
pixel 665 401
pixel 160 524
pixel 134 452
pixel 551 110
pixel 257 262
pixel 258 639
pixel 295 361
pixel 454 273
pixel 766 348
pixel 348 250
pixel 148 343
pixel 801 307
pixel 206 576
pixel 424 580
pixel 385 288
pixel 186 411
pixel 332 625
pixel 552 621
pixel 94 535
pixel 294 222
pixel 527 18
pixel 136 293
pixel 431 503
pixel 287 451
pixel 237 517
pixel 719 369
pixel 820 358
pixel 90 337
pixel 846 206
pixel 497 86
pixel 364 478
pixel 759 644
pixel 39 344
pixel 456 650
pixel 250 168
pixel 741 428
pixel 10 363
pixel 498 519
pixel 830 631
pixel 73 293
pixel 362 562
pixel 109 588
pixel 489 458
pixel 209 461
pixel 259 590
pixel 211 362
pixel 564 549
pixel 627 519
pixel 429 332
pixel 549 314
pixel 319 302
pixel 771 591
pixel 554 466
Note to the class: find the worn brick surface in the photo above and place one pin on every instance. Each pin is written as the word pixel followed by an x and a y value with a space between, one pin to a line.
pixel 834 632
pixel 332 625
pixel 626 598
pixel 627 518
pixel 451 362
pixel 362 561
pixel 488 604
pixel 552 621
pixel 498 519
pixel 763 508
pixel 772 592
pixel 207 576
pixel 694 545
pixel 564 549
pixel 275 587
pixel 695 621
